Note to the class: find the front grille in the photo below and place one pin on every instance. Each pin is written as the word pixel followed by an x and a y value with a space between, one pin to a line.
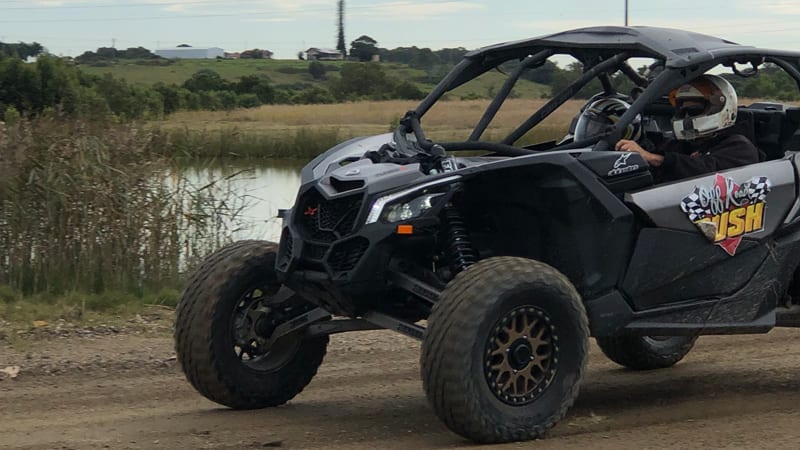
pixel 316 252
pixel 345 255
pixel 326 220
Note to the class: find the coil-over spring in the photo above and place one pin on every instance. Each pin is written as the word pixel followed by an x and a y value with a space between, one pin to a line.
pixel 459 249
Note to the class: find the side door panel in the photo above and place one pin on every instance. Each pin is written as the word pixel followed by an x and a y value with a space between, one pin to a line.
pixel 705 243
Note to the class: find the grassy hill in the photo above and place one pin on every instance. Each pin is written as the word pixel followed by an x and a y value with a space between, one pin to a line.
pixel 289 72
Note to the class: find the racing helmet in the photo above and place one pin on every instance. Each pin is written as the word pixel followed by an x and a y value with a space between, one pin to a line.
pixel 703 107
pixel 600 115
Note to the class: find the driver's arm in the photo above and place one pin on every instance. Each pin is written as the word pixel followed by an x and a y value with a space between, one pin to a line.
pixel 625 145
pixel 734 151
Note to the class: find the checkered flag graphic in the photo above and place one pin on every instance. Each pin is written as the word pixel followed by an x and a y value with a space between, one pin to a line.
pixel 756 189
pixel 691 206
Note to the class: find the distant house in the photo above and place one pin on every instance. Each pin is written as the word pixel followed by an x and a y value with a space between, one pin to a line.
pixel 191 53
pixel 232 55
pixel 323 54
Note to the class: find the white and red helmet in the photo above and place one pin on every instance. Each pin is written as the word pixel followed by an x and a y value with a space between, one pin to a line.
pixel 703 107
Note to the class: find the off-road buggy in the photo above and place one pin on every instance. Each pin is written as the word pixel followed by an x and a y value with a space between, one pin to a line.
pixel 505 261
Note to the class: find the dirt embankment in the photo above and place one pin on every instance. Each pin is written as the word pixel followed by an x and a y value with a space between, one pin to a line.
pixel 120 389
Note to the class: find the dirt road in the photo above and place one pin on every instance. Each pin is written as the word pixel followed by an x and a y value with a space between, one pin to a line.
pixel 125 391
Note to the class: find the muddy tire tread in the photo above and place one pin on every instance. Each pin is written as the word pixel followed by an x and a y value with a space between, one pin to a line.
pixel 635 353
pixel 195 334
pixel 463 302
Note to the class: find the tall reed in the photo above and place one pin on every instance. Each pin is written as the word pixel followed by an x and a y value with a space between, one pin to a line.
pixel 94 207
pixel 234 142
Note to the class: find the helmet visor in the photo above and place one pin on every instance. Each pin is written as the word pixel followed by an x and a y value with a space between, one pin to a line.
pixel 686 108
pixel 591 124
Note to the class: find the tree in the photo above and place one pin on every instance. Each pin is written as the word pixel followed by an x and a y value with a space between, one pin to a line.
pixel 31 50
pixel 107 52
pixel 423 59
pixel 362 80
pixel 340 41
pixel 21 50
pixel 363 48
pixel 137 53
pixel 543 74
pixel 255 53
pixel 206 80
pixel 317 70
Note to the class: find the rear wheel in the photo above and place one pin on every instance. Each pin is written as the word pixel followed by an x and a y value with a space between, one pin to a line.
pixel 646 352
pixel 225 318
pixel 505 350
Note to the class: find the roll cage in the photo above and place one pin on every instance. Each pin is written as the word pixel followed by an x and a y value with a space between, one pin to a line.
pixel 602 51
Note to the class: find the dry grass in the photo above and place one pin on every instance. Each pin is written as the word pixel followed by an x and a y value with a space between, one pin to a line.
pixel 447 120
pixel 453 114
pixel 303 131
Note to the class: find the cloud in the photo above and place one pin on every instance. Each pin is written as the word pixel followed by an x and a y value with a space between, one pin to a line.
pixel 776 7
pixel 270 20
pixel 413 10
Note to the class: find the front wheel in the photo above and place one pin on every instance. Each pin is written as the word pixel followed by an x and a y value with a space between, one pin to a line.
pixel 505 350
pixel 646 352
pixel 225 317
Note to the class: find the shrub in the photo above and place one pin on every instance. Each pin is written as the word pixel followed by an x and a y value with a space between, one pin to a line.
pixel 314 95
pixel 248 101
pixel 317 70
pixel 8 294
pixel 11 116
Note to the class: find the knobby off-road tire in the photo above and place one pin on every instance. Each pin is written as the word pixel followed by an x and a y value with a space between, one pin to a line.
pixel 646 352
pixel 205 329
pixel 488 321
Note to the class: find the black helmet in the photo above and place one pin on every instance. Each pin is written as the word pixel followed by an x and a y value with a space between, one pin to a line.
pixel 602 114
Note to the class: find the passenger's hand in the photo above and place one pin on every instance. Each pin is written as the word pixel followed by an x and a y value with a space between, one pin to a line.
pixel 625 145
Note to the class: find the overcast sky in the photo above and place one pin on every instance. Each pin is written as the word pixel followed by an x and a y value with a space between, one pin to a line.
pixel 69 27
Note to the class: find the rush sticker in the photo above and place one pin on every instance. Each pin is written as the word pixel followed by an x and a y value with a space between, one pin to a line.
pixel 726 211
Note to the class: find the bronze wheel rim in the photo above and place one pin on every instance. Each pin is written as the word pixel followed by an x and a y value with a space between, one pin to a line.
pixel 521 356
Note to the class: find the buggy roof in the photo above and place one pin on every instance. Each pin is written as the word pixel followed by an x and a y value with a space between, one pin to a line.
pixel 678 48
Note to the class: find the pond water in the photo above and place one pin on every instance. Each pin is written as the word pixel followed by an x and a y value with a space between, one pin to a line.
pixel 260 188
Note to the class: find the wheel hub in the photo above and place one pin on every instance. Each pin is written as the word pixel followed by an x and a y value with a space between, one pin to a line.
pixel 256 317
pixel 521 355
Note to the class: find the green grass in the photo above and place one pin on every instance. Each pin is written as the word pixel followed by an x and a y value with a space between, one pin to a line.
pixel 76 306
pixel 296 71
pixel 24 321
pixel 182 69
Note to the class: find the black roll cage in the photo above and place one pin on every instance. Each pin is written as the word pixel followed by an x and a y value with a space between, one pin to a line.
pixel 597 63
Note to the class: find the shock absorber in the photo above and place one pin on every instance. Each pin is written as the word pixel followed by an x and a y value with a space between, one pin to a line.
pixel 458 248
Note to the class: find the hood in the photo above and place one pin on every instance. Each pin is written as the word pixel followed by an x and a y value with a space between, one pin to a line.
pixel 342 154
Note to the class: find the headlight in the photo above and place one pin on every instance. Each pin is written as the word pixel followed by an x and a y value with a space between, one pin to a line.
pixel 403 210
pixel 410 209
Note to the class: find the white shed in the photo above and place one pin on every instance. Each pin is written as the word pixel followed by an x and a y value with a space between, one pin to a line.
pixel 191 53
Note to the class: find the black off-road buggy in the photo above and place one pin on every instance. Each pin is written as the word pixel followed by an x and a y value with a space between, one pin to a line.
pixel 504 264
